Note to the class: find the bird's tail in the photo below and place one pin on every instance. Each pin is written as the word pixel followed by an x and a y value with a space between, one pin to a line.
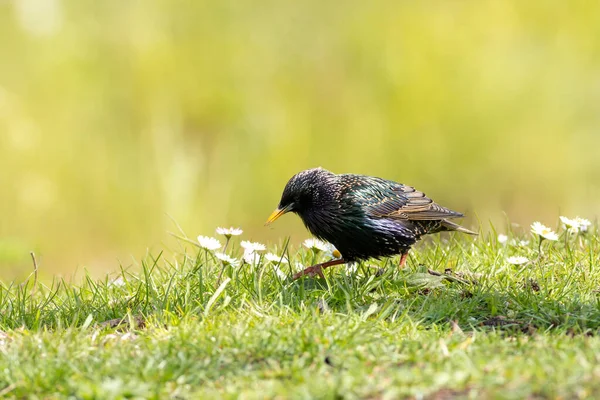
pixel 451 226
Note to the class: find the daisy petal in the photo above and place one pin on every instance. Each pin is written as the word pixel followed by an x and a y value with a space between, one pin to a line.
pixel 517 260
pixel 226 259
pixel 209 243
pixel 543 231
pixel 275 258
pixel 252 246
pixel 316 244
pixel 228 232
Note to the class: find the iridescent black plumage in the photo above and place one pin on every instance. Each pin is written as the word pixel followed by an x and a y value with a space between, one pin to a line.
pixel 363 216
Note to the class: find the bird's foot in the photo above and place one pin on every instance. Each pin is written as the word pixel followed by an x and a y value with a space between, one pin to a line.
pixel 318 269
pixel 403 260
pixel 310 271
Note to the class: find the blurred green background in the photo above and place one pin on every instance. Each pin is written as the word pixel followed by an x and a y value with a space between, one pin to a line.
pixel 114 114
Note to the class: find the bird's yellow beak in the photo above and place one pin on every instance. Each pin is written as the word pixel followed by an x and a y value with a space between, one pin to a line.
pixel 276 214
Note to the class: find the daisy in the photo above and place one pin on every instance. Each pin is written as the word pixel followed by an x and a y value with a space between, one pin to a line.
pixel 209 243
pixel 317 245
pixel 229 232
pixel 252 246
pixel 543 231
pixel 502 239
pixel 227 260
pixel 572 225
pixel 332 251
pixel 584 224
pixel 251 257
pixel 275 258
pixel 517 260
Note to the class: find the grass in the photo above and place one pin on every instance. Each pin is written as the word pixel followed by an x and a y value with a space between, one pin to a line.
pixel 458 322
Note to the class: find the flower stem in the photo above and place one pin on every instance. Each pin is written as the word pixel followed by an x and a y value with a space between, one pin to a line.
pixel 221 273
pixel 541 239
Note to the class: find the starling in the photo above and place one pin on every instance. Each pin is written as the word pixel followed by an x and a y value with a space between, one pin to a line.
pixel 362 216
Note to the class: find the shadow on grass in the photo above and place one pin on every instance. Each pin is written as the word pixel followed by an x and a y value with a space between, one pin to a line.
pixel 458 300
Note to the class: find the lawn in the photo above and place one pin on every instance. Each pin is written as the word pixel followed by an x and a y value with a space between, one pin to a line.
pixel 488 317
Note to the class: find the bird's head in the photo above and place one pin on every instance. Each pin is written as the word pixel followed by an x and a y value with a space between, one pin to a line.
pixel 303 192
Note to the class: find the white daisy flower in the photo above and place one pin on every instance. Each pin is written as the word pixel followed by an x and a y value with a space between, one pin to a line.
pixel 517 260
pixel 335 253
pixel 502 239
pixel 252 246
pixel 316 244
pixel 584 224
pixel 275 258
pixel 572 225
pixel 229 232
pixel 251 257
pixel 234 262
pixel 543 231
pixel 332 251
pixel 523 243
pixel 209 243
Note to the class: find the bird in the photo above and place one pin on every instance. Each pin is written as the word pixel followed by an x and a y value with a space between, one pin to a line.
pixel 363 216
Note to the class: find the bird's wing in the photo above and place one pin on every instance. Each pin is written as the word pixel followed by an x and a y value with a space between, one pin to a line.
pixel 387 199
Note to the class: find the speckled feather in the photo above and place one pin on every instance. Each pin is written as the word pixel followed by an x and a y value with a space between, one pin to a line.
pixel 364 216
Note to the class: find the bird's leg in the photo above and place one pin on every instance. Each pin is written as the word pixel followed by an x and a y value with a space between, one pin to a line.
pixel 318 268
pixel 403 260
